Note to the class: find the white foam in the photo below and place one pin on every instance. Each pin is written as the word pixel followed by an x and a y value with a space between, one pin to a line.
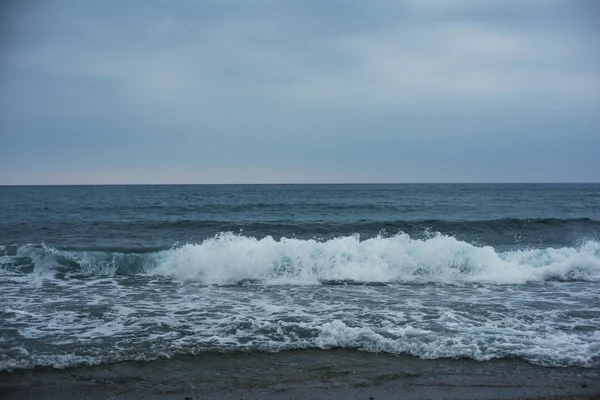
pixel 19 312
pixel 429 321
pixel 229 258
pixel 175 309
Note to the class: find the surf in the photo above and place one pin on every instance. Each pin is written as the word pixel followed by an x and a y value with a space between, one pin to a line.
pixel 229 258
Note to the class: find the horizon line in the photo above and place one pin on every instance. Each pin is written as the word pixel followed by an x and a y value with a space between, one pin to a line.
pixel 304 183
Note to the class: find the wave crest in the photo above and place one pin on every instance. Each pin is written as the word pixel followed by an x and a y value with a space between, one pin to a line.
pixel 230 259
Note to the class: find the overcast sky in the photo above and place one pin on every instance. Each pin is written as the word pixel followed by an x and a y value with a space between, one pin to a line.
pixel 221 91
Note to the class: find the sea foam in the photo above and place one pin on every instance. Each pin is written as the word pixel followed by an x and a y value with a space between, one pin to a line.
pixel 231 259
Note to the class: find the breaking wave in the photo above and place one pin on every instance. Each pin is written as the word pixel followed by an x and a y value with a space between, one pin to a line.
pixel 232 259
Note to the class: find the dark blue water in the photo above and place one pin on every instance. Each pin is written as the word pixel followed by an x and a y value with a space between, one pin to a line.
pixel 152 217
pixel 103 274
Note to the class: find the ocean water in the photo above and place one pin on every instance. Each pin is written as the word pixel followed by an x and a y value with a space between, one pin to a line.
pixel 107 274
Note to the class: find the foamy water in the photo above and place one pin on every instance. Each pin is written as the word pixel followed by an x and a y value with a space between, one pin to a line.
pixel 432 298
pixel 92 275
pixel 229 259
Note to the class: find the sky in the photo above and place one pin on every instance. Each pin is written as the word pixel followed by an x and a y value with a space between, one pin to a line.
pixel 271 91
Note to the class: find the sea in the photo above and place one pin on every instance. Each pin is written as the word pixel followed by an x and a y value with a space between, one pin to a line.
pixel 102 275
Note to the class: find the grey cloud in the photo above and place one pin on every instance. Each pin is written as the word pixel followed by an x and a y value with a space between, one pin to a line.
pixel 429 90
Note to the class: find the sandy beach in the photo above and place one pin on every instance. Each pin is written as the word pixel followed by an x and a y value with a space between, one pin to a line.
pixel 313 374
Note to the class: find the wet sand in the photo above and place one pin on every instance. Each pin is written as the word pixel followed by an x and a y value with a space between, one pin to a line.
pixel 312 374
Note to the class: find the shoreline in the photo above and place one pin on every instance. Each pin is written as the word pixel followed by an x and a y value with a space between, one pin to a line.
pixel 317 374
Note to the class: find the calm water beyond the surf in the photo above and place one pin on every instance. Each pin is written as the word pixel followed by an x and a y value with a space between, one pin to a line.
pixel 103 274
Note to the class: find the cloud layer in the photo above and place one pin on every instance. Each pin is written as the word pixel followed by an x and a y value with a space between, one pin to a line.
pixel 308 91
